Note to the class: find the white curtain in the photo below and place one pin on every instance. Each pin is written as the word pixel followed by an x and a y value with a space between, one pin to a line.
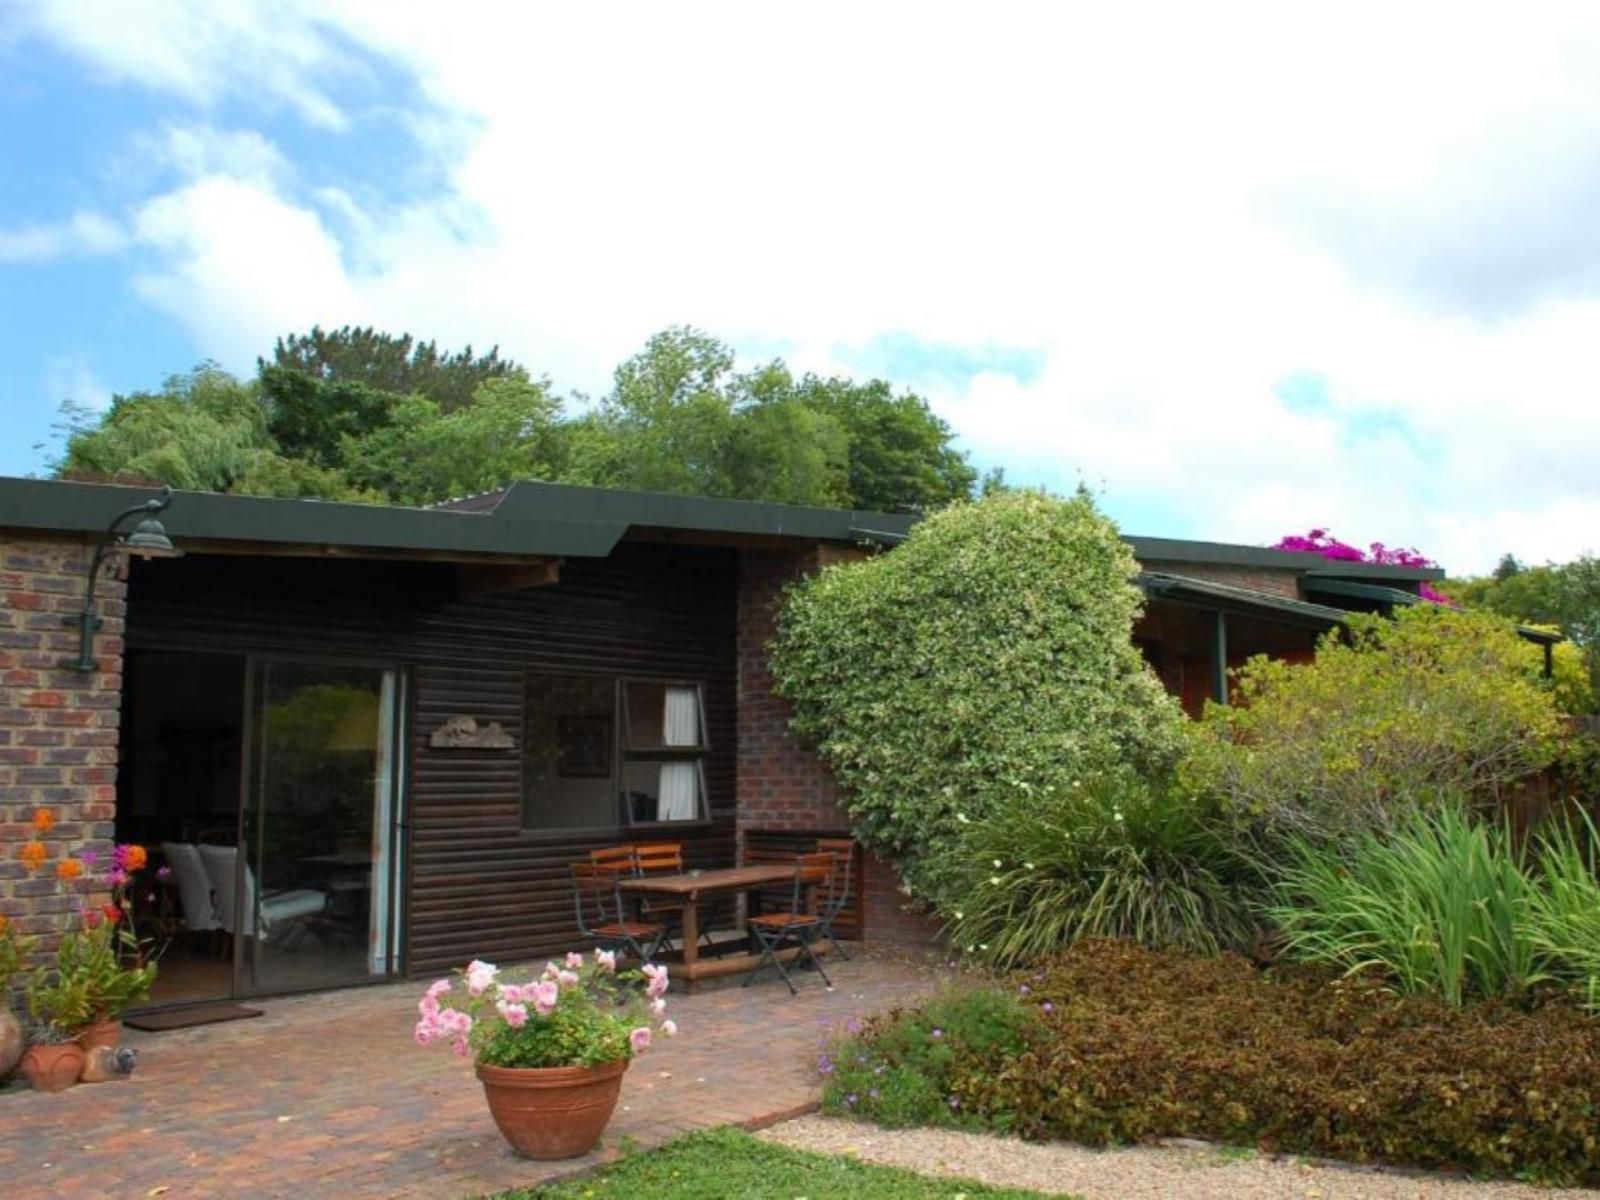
pixel 378 939
pixel 680 781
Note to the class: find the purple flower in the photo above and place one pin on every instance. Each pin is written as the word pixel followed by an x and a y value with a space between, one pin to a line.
pixel 936 1034
pixel 851 1099
pixel 89 857
pixel 955 1101
pixel 163 872
pixel 873 1092
pixel 824 1065
pixel 1048 1007
pixel 1024 989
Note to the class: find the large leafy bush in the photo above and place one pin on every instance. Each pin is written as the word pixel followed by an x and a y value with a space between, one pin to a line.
pixel 1435 701
pixel 1130 1044
pixel 990 651
pixel 1108 856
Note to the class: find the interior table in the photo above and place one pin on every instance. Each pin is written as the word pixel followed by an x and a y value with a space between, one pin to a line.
pixel 690 888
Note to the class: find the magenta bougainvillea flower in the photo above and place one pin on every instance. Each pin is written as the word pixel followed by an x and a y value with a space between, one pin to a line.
pixel 1323 543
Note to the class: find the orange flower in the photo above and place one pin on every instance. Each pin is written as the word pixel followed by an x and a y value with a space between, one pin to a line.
pixel 136 858
pixel 69 868
pixel 5 924
pixel 44 820
pixel 33 855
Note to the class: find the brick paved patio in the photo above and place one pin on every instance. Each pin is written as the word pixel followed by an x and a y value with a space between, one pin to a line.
pixel 328 1096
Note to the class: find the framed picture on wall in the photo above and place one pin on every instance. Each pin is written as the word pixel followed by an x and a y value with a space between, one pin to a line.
pixel 585 745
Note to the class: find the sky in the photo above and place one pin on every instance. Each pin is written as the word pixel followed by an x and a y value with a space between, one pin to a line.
pixel 1244 270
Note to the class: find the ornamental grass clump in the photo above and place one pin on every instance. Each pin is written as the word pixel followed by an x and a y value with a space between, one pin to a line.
pixel 577 1013
pixel 1111 855
pixel 1440 904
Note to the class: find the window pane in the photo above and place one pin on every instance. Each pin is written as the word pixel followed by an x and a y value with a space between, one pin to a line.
pixel 662 791
pixel 568 753
pixel 664 715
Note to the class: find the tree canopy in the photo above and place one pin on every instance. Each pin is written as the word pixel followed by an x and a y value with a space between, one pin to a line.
pixel 355 413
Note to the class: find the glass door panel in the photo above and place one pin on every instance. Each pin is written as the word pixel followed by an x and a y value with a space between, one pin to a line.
pixel 317 894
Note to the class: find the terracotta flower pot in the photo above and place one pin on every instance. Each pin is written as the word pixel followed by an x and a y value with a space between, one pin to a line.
pixel 101 1033
pixel 552 1112
pixel 12 1041
pixel 53 1068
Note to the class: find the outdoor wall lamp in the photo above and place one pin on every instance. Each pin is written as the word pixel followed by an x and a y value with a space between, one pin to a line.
pixel 148 540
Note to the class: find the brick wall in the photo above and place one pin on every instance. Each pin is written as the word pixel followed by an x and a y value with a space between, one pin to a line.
pixel 782 786
pixel 1277 581
pixel 58 729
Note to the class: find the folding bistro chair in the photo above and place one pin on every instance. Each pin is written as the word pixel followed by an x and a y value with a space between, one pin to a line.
pixel 664 858
pixel 844 854
pixel 602 917
pixel 772 930
pixel 620 859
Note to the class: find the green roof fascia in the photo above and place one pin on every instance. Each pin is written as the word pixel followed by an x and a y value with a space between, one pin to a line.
pixel 1202 592
pixel 530 519
pixel 1148 549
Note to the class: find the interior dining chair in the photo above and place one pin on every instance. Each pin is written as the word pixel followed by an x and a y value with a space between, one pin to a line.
pixel 844 855
pixel 277 907
pixel 798 925
pixel 194 886
pixel 602 917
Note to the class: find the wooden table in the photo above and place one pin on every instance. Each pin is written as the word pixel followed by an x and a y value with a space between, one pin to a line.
pixel 690 888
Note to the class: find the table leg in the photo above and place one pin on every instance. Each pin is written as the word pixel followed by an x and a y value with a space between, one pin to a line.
pixel 691 936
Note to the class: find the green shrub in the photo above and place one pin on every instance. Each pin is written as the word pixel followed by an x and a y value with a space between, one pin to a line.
pixel 990 650
pixel 1138 1044
pixel 1107 856
pixel 1434 702
pixel 911 1066
pixel 1440 904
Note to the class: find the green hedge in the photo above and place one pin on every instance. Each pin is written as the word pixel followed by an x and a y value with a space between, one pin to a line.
pixel 1132 1044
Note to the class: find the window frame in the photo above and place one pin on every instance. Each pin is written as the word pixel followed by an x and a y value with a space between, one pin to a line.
pixel 621 755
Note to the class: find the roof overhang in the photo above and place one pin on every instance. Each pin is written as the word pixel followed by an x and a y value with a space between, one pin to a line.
pixel 1203 593
pixel 526 520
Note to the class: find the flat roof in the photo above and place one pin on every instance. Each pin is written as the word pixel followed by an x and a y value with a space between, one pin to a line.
pixel 551 519
pixel 525 519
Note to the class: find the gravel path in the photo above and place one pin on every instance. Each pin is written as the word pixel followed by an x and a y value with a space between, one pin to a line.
pixel 1139 1173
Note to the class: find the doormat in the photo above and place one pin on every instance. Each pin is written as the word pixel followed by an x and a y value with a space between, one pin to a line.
pixel 185 1018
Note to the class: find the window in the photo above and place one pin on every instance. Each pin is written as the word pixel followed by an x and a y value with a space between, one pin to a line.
pixel 663 776
pixel 585 769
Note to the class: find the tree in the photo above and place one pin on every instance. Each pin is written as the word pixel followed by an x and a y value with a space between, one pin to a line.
pixel 988 654
pixel 391 363
pixel 900 454
pixel 204 430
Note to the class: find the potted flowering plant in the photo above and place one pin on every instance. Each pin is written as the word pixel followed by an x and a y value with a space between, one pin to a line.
pixel 550 1052
pixel 58 1008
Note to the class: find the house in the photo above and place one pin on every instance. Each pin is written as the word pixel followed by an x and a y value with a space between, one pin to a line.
pixel 392 729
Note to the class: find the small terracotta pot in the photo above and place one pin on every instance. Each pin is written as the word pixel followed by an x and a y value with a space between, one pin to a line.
pixel 101 1033
pixel 552 1112
pixel 53 1068
pixel 12 1040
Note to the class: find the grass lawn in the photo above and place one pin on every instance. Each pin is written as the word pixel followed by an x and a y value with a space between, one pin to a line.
pixel 729 1164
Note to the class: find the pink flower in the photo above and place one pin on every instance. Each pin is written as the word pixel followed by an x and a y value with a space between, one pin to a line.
pixel 461 1047
pixel 567 978
pixel 438 987
pixel 639 1039
pixel 424 1033
pixel 479 976
pixel 574 960
pixel 428 1006
pixel 606 959
pixel 670 1028
pixel 545 996
pixel 551 970
pixel 515 1015
pixel 657 1006
pixel 658 980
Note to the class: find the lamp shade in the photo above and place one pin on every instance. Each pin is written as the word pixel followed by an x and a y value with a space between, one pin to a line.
pixel 149 540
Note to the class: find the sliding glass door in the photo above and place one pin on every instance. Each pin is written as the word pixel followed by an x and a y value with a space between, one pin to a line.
pixel 317 897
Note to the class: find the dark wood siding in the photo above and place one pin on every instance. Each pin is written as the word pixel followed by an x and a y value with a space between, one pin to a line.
pixel 479 883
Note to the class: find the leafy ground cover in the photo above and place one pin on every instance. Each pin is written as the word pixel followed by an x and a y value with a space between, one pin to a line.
pixel 723 1163
pixel 1120 1044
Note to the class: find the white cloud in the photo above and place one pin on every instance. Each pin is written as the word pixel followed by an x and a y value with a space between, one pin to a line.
pixel 70 379
pixel 1179 206
pixel 83 233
